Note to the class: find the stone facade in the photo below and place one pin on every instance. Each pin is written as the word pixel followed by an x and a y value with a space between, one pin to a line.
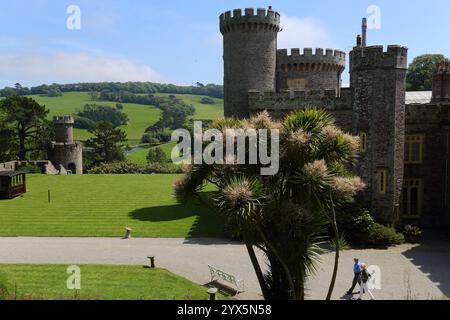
pixel 64 153
pixel 374 106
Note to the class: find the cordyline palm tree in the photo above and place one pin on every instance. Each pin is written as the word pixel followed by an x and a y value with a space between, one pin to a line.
pixel 285 215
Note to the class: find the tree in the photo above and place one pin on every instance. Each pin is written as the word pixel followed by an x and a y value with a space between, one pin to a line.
pixel 421 70
pixel 25 121
pixel 107 143
pixel 175 113
pixel 207 100
pixel 97 113
pixel 156 155
pixel 284 215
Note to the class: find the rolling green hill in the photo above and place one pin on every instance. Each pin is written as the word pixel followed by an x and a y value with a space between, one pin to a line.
pixel 141 116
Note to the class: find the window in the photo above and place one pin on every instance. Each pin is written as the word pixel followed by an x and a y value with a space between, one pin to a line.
pixel 296 83
pixel 363 141
pixel 382 176
pixel 412 198
pixel 414 149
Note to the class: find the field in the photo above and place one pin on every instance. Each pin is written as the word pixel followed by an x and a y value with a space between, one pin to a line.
pixel 98 282
pixel 141 116
pixel 141 156
pixel 203 111
pixel 103 206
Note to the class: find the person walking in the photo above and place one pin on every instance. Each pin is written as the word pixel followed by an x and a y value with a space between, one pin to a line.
pixel 365 276
pixel 357 275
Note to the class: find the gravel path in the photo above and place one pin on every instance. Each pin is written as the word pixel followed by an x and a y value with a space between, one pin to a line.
pixel 427 267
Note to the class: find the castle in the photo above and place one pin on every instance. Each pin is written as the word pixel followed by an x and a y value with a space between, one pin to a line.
pixel 64 153
pixel 405 136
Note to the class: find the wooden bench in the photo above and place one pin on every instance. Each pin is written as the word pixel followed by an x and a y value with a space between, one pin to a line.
pixel 217 274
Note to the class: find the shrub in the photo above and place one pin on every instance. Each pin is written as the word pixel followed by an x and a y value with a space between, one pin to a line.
pixel 28 168
pixel 162 136
pixel 127 167
pixel 150 139
pixel 124 167
pixel 207 100
pixel 84 123
pixel 355 222
pixel 156 155
pixel 412 233
pixel 384 236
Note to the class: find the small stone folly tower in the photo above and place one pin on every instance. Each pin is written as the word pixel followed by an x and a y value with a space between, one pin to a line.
pixel 66 154
pixel 250 52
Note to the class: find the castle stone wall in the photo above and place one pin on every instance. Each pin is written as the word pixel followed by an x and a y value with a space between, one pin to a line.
pixel 66 155
pixel 433 121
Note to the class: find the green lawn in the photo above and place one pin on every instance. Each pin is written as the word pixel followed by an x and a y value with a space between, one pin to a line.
pixel 141 117
pixel 98 282
pixel 103 206
pixel 141 156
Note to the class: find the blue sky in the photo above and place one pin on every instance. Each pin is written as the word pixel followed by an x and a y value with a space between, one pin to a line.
pixel 178 41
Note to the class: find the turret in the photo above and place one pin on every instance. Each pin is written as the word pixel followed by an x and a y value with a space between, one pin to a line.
pixel 64 129
pixel 250 46
pixel 378 81
pixel 65 154
pixel 320 70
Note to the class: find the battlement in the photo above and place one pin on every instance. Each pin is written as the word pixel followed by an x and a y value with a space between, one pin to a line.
pixel 63 120
pixel 262 19
pixel 375 56
pixel 293 94
pixel 292 100
pixel 320 60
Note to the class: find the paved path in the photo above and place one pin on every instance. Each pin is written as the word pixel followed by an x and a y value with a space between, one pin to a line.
pixel 424 269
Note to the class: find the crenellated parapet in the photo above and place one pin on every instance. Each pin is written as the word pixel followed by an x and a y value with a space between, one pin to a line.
pixel 307 61
pixel 362 58
pixel 292 100
pixel 261 19
pixel 64 120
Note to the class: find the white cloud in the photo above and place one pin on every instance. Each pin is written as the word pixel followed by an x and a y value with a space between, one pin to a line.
pixel 303 33
pixel 72 67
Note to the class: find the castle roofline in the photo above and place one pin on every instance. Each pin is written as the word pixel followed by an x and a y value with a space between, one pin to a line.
pixel 320 56
pixel 262 19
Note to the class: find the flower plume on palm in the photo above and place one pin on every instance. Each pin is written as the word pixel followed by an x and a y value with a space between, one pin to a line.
pixel 284 215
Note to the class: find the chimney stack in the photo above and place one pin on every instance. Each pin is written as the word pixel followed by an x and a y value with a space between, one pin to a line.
pixel 364 32
pixel 441 83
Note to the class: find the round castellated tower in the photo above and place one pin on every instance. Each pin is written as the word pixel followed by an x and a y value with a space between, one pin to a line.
pixel 310 71
pixel 66 154
pixel 250 46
